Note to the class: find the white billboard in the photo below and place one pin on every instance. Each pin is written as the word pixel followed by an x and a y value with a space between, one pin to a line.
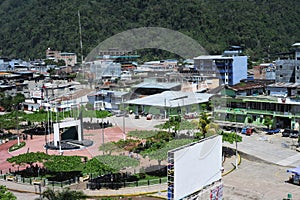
pixel 194 166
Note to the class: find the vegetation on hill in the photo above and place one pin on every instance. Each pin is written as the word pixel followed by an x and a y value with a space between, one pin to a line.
pixel 29 27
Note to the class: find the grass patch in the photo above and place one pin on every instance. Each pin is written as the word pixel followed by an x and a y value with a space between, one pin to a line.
pixel 16 146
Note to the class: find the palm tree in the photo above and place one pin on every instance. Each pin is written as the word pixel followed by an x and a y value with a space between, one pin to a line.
pixel 206 126
pixel 203 124
pixel 65 194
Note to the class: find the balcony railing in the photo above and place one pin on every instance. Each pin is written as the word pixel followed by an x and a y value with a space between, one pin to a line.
pixel 242 111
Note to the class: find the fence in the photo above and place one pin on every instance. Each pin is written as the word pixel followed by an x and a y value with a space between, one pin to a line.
pixel 37 181
pixel 63 183
pixel 117 185
pixel 90 185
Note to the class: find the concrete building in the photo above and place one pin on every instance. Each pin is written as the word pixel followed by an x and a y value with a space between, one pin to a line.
pixel 252 105
pixel 107 99
pixel 230 67
pixel 169 103
pixel 264 71
pixel 242 106
pixel 288 66
pixel 69 58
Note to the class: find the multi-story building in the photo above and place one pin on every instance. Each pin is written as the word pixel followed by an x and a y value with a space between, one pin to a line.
pixel 230 67
pixel 252 103
pixel 69 58
pixel 288 66
pixel 107 100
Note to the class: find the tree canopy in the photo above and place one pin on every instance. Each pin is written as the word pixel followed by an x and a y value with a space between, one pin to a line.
pixel 11 102
pixel 65 194
pixel 117 162
pixel 231 137
pixel 29 158
pixel 95 165
pixel 64 163
pixel 261 27
pixel 5 194
pixel 162 153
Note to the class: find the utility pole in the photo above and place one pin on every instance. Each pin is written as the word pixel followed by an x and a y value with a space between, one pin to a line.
pixel 80 37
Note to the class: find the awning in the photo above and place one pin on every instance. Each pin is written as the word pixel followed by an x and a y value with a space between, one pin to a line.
pixel 294 170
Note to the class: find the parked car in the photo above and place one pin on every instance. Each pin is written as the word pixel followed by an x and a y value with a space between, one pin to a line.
pixel 149 117
pixel 121 114
pixel 272 131
pixel 286 132
pixel 294 134
pixel 247 130
pixel 136 116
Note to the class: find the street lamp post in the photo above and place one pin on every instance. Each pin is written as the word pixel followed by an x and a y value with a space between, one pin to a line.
pixel 102 126
pixel 236 151
pixel 48 120
pixel 169 124
pixel 124 134
pixel 18 124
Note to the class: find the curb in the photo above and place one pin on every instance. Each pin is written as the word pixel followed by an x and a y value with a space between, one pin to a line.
pixel 131 195
pixel 234 167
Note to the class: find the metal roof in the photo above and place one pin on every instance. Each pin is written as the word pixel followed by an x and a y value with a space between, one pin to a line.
pixel 284 84
pixel 157 85
pixel 212 57
pixel 172 99
pixel 105 92
pixel 296 44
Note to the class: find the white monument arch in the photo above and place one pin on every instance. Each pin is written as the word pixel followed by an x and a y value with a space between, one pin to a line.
pixel 65 124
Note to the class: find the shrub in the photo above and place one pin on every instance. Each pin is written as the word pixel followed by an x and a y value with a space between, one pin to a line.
pixel 16 146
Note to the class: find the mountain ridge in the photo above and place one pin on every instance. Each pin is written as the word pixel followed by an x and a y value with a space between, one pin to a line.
pixel 29 27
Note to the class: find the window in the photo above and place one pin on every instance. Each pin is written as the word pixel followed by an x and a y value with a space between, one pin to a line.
pixel 280 66
pixel 298 67
pixel 281 75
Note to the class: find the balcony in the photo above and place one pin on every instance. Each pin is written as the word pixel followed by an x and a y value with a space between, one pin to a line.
pixel 238 111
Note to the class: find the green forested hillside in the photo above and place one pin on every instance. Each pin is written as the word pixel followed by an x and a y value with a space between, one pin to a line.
pixel 28 27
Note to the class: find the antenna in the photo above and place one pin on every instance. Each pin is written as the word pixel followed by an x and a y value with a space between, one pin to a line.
pixel 80 35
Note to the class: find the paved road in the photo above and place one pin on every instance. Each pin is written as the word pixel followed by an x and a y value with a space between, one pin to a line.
pixel 262 173
pixel 260 181
pixel 271 148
